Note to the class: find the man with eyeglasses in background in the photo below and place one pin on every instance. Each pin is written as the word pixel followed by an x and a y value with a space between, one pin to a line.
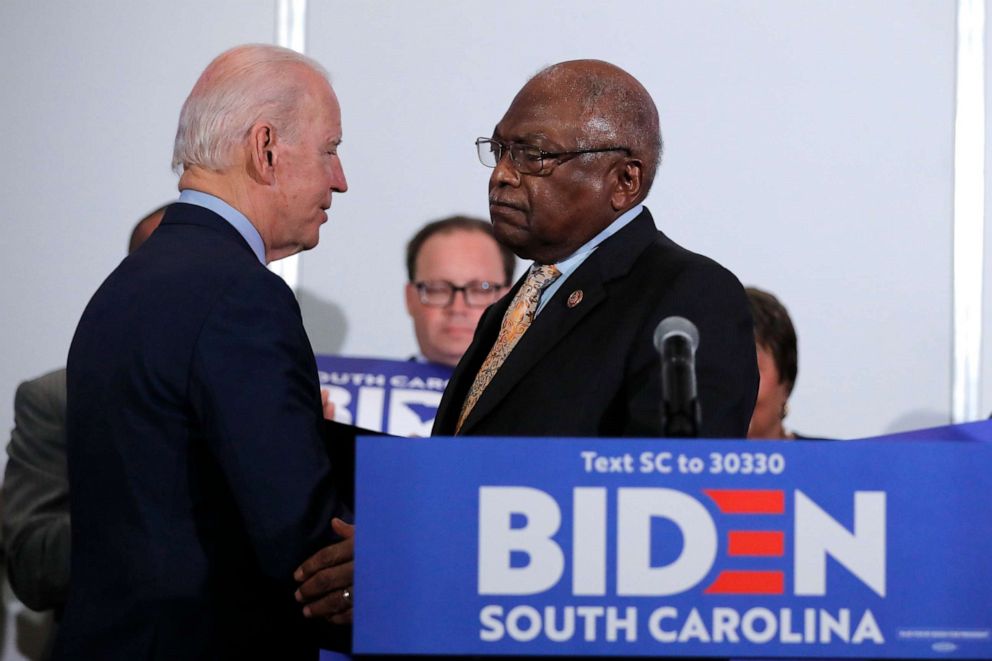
pixel 456 269
pixel 569 350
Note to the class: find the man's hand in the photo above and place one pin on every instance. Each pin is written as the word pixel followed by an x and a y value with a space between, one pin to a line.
pixel 325 399
pixel 326 578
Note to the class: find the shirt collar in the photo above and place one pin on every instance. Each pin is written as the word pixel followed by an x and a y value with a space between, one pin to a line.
pixel 572 262
pixel 234 217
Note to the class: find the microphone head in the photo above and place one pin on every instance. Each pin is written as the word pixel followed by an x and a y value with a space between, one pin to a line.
pixel 675 325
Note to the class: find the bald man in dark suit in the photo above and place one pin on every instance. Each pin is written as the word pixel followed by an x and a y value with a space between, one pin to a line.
pixel 569 350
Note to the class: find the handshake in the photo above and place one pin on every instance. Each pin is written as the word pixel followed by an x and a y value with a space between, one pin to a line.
pixel 326 578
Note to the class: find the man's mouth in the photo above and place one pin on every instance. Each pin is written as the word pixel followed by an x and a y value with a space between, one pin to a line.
pixel 494 202
pixel 459 330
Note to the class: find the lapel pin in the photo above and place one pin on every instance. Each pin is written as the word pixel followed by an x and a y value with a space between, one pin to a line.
pixel 574 298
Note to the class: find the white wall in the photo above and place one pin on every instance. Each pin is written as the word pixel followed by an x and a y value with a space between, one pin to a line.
pixel 808 149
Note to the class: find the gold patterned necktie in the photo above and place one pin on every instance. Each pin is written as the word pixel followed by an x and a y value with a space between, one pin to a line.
pixel 516 321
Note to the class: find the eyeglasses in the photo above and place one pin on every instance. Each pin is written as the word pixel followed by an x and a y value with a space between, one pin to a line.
pixel 441 293
pixel 528 159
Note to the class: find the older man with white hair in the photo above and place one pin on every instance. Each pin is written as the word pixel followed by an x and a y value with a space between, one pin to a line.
pixel 197 469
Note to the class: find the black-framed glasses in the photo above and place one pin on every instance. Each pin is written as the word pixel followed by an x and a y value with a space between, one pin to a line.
pixel 441 293
pixel 528 159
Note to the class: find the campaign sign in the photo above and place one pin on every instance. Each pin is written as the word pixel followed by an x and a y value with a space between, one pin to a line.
pixel 398 397
pixel 635 547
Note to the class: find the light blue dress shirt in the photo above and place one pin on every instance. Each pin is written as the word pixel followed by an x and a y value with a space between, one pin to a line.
pixel 569 265
pixel 236 219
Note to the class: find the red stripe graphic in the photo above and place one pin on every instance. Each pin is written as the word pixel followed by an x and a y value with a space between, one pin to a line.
pixel 748 582
pixel 755 543
pixel 748 501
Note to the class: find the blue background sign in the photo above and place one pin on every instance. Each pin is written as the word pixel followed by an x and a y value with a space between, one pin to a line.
pixel 861 549
pixel 398 397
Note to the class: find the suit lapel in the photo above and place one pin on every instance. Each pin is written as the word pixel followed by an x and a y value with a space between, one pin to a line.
pixel 612 259
pixel 554 322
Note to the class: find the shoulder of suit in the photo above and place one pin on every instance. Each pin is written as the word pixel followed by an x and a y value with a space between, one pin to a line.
pixel 662 250
pixel 268 281
pixel 213 249
pixel 259 286
pixel 668 270
pixel 206 225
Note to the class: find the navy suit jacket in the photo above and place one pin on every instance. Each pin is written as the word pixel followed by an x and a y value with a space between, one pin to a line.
pixel 198 474
pixel 591 369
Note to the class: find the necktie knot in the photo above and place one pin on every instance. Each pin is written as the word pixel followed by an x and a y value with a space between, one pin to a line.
pixel 543 276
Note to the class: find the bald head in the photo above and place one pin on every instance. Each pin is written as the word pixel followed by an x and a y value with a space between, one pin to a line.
pixel 615 108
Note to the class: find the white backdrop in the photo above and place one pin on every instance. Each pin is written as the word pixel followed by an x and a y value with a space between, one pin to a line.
pixel 808 148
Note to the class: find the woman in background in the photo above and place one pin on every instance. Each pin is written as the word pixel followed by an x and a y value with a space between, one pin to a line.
pixel 778 364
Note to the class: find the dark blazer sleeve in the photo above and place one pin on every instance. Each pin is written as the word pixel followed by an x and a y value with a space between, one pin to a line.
pixel 35 512
pixel 254 393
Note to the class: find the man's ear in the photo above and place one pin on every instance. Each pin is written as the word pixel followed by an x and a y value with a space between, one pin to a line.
pixel 262 156
pixel 629 183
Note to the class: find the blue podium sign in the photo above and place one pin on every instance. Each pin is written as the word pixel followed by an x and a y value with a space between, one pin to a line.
pixel 634 547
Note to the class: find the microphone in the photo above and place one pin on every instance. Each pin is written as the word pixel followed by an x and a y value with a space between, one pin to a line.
pixel 676 339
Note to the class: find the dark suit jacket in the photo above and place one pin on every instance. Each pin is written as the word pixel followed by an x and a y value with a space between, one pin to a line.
pixel 197 470
pixel 592 369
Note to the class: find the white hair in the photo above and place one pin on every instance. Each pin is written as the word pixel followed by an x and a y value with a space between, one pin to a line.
pixel 240 87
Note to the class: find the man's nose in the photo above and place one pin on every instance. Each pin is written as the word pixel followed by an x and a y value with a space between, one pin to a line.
pixel 504 173
pixel 339 183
